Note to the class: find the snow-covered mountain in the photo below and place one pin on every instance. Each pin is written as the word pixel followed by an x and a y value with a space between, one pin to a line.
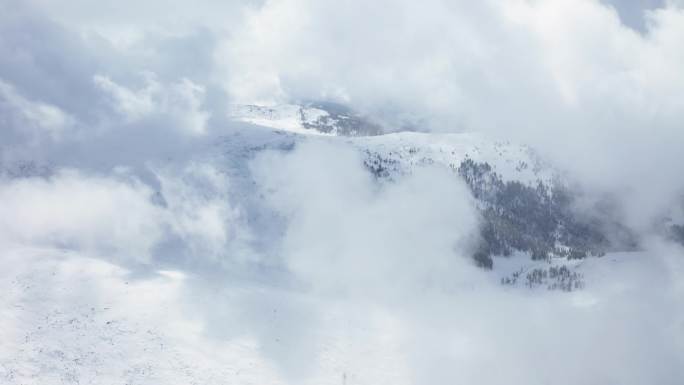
pixel 312 118
pixel 526 205
pixel 398 152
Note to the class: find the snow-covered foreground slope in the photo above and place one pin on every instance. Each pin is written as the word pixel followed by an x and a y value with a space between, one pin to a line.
pixel 70 319
pixel 74 319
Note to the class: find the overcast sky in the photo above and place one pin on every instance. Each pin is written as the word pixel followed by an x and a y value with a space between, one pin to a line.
pixel 632 12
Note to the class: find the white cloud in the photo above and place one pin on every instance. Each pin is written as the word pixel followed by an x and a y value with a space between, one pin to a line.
pixel 346 232
pixel 126 25
pixel 100 215
pixel 202 214
pixel 120 218
pixel 134 105
pixel 180 101
pixel 34 117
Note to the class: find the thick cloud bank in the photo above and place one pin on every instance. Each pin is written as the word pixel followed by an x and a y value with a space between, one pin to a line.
pixel 416 231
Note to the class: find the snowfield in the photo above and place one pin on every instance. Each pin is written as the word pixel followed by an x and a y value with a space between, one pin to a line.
pixel 74 319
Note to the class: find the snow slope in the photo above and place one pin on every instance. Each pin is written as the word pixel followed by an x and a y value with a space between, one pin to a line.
pixel 287 117
pixel 400 152
pixel 307 119
pixel 73 319
pixel 405 150
pixel 76 319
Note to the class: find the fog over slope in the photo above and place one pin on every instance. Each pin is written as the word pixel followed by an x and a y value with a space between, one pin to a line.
pixel 322 192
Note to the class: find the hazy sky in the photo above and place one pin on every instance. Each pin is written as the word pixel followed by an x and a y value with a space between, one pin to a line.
pixel 632 12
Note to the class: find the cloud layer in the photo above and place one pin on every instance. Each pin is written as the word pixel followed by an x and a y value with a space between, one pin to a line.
pixel 118 157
